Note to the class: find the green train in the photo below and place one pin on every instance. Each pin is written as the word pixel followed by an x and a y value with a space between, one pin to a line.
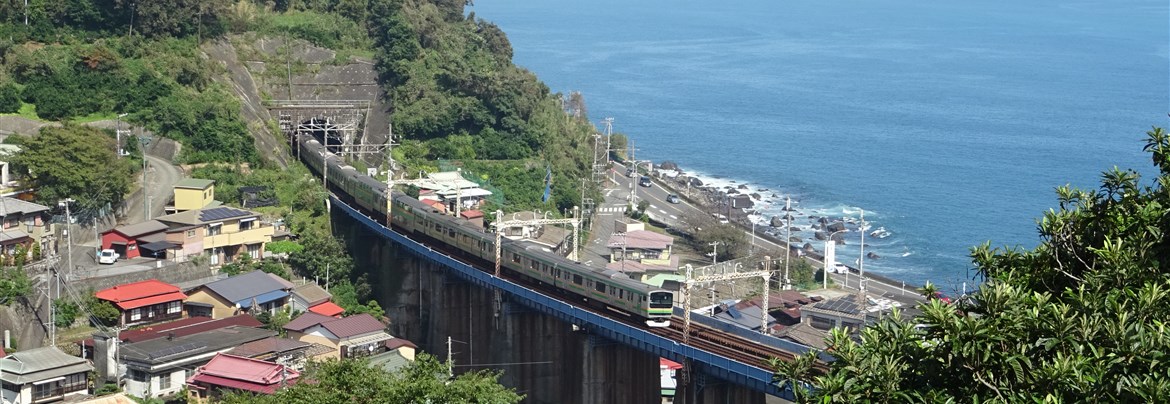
pixel 596 287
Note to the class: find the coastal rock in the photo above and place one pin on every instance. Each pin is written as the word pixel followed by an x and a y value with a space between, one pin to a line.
pixel 836 226
pixel 795 239
pixel 695 182
pixel 793 228
pixel 813 217
pixel 777 221
pixel 732 192
pixel 668 165
pixel 821 235
pixel 872 256
pixel 774 195
pixel 823 220
pixel 818 226
pixel 743 186
pixel 808 247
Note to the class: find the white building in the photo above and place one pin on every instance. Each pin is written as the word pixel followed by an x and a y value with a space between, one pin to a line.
pixel 42 375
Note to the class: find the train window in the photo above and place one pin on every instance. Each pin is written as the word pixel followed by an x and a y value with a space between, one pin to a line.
pixel 599 286
pixel 451 232
pixel 516 258
pixel 544 268
pixel 577 279
pixel 533 265
pixel 621 293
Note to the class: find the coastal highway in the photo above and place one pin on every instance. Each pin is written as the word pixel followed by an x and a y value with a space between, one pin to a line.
pixel 619 191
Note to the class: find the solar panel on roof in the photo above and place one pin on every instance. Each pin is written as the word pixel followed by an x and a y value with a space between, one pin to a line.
pixel 220 214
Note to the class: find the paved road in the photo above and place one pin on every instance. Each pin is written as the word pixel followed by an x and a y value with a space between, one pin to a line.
pixel 620 191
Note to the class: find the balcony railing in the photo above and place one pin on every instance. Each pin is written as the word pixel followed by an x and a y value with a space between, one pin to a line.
pixel 254 235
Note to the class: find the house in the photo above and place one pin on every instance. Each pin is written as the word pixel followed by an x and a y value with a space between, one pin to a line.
pixel 328 309
pixel 42 375
pixel 148 301
pixel 6 152
pixel 400 353
pixel 99 348
pixel 252 292
pixel 640 253
pixel 227 372
pixel 746 317
pixel 350 337
pixel 846 312
pixel 194 193
pixel 308 295
pixel 548 236
pixel 188 241
pixel 473 216
pixel 281 350
pixel 450 187
pixel 125 240
pixel 667 372
pixel 159 367
pixel 25 225
pixel 804 334
pixel 227 232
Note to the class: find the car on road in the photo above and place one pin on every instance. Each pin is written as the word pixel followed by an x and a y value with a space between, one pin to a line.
pixel 630 172
pixel 107 257
pixel 672 198
pixel 644 181
pixel 839 268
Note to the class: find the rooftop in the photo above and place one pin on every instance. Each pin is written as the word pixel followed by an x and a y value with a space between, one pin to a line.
pixel 162 350
pixel 139 294
pixel 207 215
pixel 140 229
pixel 242 373
pixel 312 294
pixel 328 308
pixel 272 345
pixel 13 206
pixel 643 239
pixel 748 317
pixel 188 326
pixel 194 183
pixel 40 364
pixel 341 327
pixel 242 288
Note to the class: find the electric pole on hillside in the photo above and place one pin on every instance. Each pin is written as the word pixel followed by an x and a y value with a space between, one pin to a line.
pixel 608 136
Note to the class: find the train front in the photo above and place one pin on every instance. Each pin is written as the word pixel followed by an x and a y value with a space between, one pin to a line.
pixel 661 308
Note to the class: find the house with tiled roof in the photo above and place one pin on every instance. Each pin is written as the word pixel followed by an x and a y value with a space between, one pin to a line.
pixel 350 337
pixel 227 233
pixel 288 351
pixel 231 373
pixel 42 375
pixel 252 292
pixel 125 239
pixel 160 367
pixel 25 225
pixel 329 309
pixel 148 301
pixel 399 354
pixel 308 295
pixel 640 253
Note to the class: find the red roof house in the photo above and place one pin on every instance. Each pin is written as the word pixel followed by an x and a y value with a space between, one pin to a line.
pixel 237 373
pixel 148 301
pixel 328 309
pixel 126 239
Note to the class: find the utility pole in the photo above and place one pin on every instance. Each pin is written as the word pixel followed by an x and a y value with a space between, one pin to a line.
pixel 500 224
pixel 787 241
pixel 450 363
pixel 69 233
pixel 714 252
pixel 608 136
pixel 145 188
pixel 861 257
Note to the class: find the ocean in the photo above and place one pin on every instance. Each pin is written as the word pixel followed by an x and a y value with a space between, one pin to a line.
pixel 949 122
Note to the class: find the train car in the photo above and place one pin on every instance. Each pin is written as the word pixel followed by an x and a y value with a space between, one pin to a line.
pixel 600 287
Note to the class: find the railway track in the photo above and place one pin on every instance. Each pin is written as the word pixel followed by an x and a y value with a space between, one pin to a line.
pixel 701 337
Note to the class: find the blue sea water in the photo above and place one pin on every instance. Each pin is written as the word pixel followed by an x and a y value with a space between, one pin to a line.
pixel 949 122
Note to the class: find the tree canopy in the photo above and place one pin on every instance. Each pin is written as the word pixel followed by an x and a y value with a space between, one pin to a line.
pixel 352 381
pixel 1080 318
pixel 74 162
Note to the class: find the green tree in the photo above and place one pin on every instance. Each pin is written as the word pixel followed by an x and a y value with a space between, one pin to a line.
pixel 9 98
pixel 103 311
pixel 14 283
pixel 61 164
pixel 353 381
pixel 1079 318
pixel 67 312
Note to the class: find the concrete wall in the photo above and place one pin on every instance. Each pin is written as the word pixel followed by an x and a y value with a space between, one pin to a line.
pixel 172 273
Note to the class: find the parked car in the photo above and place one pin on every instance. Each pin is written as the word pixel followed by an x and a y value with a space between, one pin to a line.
pixel 630 172
pixel 644 181
pixel 672 198
pixel 107 257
